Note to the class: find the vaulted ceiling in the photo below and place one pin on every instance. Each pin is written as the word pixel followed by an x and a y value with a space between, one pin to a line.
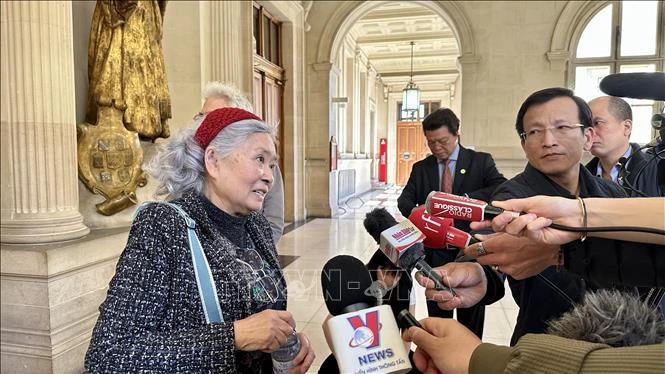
pixel 384 35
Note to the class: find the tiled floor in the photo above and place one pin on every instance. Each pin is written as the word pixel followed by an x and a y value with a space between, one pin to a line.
pixel 320 239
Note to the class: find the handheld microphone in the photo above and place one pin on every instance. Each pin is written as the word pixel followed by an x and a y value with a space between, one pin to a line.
pixel 377 221
pixel 406 320
pixel 466 209
pixel 344 280
pixel 365 337
pixel 402 244
pixel 459 207
pixel 439 232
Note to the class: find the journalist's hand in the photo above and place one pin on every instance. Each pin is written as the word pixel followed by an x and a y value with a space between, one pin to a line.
pixel 518 257
pixel 444 345
pixel 466 278
pixel 541 211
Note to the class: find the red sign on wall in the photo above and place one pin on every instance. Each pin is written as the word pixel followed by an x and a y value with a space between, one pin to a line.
pixel 333 153
pixel 383 160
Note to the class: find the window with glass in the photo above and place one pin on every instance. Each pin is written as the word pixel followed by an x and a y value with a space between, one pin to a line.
pixel 619 37
pixel 266 31
pixel 426 107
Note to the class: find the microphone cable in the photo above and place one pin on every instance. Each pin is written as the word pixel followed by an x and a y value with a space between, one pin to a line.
pixel 647 230
pixel 624 173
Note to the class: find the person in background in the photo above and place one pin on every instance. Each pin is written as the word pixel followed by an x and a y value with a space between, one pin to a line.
pixel 612 126
pixel 454 169
pixel 152 319
pixel 220 95
pixel 620 161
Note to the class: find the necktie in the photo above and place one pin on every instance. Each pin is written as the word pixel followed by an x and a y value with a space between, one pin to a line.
pixel 446 178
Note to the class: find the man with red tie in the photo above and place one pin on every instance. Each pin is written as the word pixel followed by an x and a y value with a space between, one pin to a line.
pixel 454 169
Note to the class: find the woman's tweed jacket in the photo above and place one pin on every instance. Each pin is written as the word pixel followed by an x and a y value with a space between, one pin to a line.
pixel 152 319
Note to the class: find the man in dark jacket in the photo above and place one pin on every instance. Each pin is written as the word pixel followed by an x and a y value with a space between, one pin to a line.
pixel 612 125
pixel 617 160
pixel 554 126
pixel 454 169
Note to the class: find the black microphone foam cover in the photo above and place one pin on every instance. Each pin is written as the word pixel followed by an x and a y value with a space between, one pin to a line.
pixel 344 281
pixel 377 221
pixel 649 86
pixel 411 256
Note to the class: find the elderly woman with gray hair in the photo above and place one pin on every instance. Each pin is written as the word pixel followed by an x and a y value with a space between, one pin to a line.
pixel 160 314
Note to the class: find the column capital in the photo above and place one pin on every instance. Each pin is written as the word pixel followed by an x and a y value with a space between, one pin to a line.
pixel 558 59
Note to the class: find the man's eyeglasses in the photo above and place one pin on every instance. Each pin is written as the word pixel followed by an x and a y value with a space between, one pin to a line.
pixel 559 131
pixel 198 116
pixel 263 288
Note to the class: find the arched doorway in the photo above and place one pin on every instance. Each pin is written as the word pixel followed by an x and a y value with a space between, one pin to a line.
pixel 357 128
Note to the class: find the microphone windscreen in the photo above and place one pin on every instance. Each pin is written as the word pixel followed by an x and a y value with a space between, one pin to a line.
pixel 649 86
pixel 612 317
pixel 377 221
pixel 344 281
pixel 410 256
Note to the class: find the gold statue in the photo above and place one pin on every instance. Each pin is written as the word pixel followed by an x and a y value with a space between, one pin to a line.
pixel 126 65
pixel 128 99
pixel 109 161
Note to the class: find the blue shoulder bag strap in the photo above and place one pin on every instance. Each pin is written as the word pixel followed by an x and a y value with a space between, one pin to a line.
pixel 204 281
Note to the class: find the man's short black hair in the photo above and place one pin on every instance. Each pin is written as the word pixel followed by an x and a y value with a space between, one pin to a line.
pixel 440 118
pixel 543 96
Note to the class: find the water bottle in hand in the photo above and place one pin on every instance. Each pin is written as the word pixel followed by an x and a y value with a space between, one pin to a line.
pixel 282 358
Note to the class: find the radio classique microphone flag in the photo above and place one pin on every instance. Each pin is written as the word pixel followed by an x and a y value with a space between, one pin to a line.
pixel 439 232
pixel 447 205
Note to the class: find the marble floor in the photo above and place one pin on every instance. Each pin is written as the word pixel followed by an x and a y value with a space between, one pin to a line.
pixel 316 241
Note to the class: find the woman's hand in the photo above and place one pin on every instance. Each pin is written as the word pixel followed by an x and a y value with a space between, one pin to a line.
pixel 264 331
pixel 542 211
pixel 444 345
pixel 466 278
pixel 304 358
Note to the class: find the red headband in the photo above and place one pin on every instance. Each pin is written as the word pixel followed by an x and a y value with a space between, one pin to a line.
pixel 218 119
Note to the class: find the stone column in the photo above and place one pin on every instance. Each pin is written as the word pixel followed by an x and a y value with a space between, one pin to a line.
pixel 230 42
pixel 468 89
pixel 39 168
pixel 317 136
pixel 355 103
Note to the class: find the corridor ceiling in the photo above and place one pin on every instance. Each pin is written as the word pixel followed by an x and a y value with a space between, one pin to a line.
pixel 384 34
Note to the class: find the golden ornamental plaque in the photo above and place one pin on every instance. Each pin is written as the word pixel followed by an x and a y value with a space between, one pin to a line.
pixel 109 160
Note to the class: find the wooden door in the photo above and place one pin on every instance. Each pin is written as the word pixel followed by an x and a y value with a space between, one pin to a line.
pixel 258 94
pixel 273 112
pixel 411 147
pixel 269 97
